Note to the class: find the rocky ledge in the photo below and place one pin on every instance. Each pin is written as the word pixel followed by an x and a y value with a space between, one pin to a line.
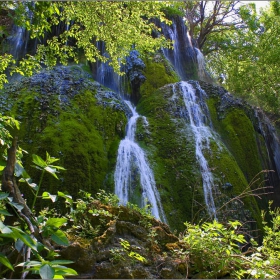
pixel 122 242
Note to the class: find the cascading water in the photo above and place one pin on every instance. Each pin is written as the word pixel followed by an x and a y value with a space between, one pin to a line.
pixel 18 42
pixel 131 156
pixel 203 75
pixel 105 74
pixel 183 55
pixel 202 135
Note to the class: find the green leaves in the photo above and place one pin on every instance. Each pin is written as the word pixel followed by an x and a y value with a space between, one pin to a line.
pixel 56 222
pixel 47 195
pixel 60 238
pixel 47 164
pixel 50 269
pixel 119 24
pixel 46 272
pixel 252 51
pixel 3 195
pixel 215 250
pixel 214 246
pixel 4 260
pixel 51 229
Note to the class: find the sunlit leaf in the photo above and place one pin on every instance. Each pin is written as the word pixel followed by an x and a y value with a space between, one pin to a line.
pixel 47 195
pixel 62 270
pixel 51 171
pixel 39 161
pixel 56 222
pixel 4 229
pixel 30 263
pixel 60 238
pixel 56 276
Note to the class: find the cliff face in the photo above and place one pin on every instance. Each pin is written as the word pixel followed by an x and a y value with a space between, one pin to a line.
pixel 74 118
pixel 203 146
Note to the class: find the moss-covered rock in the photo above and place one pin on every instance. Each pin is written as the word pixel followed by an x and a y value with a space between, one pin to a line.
pixel 170 143
pixel 78 121
pixel 73 118
pixel 129 244
pixel 158 72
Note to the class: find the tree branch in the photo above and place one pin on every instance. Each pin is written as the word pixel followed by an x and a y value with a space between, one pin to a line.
pixel 9 182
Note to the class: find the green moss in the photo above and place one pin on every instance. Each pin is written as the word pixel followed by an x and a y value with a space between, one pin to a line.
pixel 158 72
pixel 237 132
pixel 171 158
pixel 241 163
pixel 169 143
pixel 81 133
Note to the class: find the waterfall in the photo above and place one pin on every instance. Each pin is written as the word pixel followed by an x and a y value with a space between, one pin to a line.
pixel 105 74
pixel 18 42
pixel 203 75
pixel 200 63
pixel 183 55
pixel 131 156
pixel 202 135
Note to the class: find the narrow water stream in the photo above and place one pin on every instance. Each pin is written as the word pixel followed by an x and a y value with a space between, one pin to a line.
pixel 202 135
pixel 131 156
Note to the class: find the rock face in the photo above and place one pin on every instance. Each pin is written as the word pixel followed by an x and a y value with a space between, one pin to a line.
pixel 72 117
pixel 264 153
pixel 80 122
pixel 175 162
pixel 127 245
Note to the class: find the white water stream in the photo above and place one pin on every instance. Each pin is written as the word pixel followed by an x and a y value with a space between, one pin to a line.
pixel 130 154
pixel 202 135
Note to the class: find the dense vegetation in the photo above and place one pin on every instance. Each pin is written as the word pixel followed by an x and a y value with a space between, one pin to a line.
pixel 249 48
pixel 247 57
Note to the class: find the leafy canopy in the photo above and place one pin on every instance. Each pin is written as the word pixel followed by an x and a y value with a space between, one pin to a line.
pixel 81 26
pixel 249 61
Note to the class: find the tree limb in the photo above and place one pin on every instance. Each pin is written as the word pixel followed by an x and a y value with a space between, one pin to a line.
pixel 9 184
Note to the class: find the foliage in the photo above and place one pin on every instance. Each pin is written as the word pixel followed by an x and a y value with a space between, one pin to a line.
pixel 121 25
pixel 212 247
pixel 239 43
pixel 248 62
pixel 45 166
pixel 214 250
pixel 271 241
pixel 40 255
pixel 126 253
pixel 175 9
pixel 107 198
pixel 208 21
pixel 86 219
pixel 126 246
pixel 30 238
